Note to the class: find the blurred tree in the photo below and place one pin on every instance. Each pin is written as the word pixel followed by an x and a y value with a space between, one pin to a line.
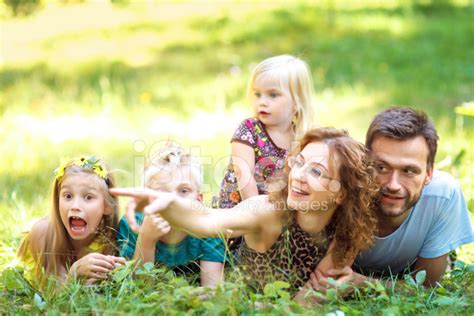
pixel 22 7
pixel 120 2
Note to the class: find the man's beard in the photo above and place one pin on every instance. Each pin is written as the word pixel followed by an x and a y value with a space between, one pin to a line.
pixel 407 205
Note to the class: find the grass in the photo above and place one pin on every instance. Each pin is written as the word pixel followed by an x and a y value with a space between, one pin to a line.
pixel 179 70
pixel 150 289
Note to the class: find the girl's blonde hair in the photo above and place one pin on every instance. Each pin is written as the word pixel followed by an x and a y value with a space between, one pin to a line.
pixel 57 249
pixel 170 158
pixel 292 74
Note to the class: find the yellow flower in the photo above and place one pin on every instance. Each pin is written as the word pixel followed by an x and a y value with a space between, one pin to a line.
pixel 100 170
pixel 81 162
pixel 89 163
pixel 63 164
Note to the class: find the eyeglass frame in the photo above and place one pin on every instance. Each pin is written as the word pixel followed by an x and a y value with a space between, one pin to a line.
pixel 292 159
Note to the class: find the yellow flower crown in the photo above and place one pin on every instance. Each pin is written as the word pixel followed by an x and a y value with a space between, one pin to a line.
pixel 92 163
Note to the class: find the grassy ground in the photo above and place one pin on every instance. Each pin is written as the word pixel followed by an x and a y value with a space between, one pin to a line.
pixel 104 80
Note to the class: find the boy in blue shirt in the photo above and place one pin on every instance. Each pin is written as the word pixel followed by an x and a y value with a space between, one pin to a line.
pixel 173 171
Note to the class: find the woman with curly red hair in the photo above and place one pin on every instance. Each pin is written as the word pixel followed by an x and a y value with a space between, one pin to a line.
pixel 321 217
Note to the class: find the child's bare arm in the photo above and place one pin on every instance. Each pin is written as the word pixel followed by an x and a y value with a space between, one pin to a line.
pixel 37 237
pixel 243 159
pixel 211 273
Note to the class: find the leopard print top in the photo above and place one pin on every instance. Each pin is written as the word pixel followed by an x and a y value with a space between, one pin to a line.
pixel 292 258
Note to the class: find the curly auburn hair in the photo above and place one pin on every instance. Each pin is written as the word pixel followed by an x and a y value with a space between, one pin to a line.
pixel 354 222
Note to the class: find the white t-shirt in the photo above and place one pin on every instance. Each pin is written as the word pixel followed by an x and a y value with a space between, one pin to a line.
pixel 438 223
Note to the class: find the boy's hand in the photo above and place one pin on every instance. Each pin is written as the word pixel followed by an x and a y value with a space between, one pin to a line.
pixel 154 227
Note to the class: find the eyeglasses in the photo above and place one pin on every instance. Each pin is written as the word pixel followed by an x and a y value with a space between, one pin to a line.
pixel 311 168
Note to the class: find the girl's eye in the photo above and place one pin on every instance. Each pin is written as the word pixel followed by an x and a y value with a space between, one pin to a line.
pixel 89 197
pixel 273 95
pixel 257 94
pixel 67 196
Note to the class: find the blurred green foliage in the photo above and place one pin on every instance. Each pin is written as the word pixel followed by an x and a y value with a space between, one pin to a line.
pixel 96 87
pixel 22 7
pixel 94 78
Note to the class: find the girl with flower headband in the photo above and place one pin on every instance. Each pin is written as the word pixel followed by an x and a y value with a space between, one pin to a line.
pixel 77 239
pixel 279 91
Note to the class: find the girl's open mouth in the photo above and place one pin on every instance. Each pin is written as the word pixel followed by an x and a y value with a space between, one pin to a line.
pixel 77 224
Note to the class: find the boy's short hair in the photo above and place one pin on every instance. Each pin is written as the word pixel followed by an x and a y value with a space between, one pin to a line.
pixel 170 158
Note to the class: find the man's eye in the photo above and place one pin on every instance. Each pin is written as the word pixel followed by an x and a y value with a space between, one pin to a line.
pixel 380 168
pixel 410 172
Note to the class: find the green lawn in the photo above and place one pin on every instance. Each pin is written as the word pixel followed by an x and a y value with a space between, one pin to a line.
pixel 95 79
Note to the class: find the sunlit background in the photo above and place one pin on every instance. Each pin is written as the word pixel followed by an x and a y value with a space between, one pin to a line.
pixel 95 77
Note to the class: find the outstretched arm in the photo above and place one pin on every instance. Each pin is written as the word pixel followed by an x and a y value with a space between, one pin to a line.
pixel 194 218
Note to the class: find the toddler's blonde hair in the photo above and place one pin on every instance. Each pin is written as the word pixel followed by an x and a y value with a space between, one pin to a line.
pixel 292 74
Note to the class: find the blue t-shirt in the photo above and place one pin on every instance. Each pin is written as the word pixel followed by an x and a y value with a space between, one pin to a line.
pixel 438 223
pixel 187 251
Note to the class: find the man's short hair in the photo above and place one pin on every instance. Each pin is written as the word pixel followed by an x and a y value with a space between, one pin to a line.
pixel 402 123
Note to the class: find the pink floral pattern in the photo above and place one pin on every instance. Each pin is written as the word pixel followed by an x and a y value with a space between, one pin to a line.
pixel 268 159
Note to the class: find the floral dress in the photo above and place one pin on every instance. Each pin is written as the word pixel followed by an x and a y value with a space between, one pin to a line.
pixel 269 159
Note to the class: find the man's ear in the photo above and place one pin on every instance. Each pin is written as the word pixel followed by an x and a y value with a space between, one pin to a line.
pixel 429 175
